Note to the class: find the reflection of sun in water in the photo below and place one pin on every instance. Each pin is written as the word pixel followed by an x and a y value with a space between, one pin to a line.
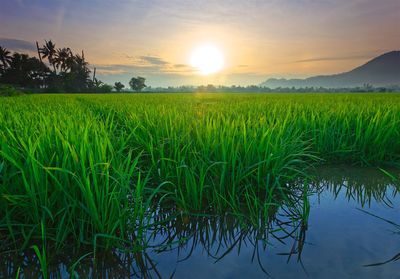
pixel 207 59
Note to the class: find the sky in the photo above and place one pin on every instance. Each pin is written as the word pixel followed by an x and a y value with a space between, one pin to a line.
pixel 259 39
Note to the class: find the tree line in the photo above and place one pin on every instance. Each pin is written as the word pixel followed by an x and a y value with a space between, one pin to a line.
pixel 210 88
pixel 55 70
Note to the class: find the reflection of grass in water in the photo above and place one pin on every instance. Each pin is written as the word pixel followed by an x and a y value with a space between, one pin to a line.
pixel 282 218
pixel 221 235
pixel 78 263
pixel 175 231
pixel 395 181
pixel 363 185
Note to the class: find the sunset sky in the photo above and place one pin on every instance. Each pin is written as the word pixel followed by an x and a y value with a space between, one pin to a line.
pixel 258 39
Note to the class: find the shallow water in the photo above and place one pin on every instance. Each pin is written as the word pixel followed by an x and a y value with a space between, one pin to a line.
pixel 339 241
pixel 347 228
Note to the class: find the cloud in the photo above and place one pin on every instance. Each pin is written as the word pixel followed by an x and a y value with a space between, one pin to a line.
pixel 153 60
pixel 117 69
pixel 110 71
pixel 17 45
pixel 144 65
pixel 180 69
pixel 179 66
pixel 144 69
pixel 335 58
pixel 135 69
pixel 146 60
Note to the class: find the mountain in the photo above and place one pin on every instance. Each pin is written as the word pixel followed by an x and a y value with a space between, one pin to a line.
pixel 383 70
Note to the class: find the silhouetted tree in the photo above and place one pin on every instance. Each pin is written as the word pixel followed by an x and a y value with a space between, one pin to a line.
pixel 118 86
pixel 97 86
pixel 25 71
pixel 5 58
pixel 62 58
pixel 70 72
pixel 49 51
pixel 97 83
pixel 75 73
pixel 137 84
pixel 78 63
pixel 105 88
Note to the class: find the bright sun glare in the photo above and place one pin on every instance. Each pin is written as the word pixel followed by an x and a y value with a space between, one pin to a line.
pixel 207 59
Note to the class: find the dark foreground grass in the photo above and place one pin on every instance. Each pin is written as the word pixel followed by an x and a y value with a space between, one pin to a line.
pixel 84 169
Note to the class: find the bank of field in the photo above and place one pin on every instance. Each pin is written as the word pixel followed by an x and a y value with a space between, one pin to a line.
pixel 78 169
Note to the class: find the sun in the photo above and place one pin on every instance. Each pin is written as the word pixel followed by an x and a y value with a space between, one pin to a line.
pixel 207 59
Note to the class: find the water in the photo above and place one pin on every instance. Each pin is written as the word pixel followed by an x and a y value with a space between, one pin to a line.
pixel 351 224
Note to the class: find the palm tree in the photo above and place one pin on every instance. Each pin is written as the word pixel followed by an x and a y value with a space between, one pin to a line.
pixel 97 83
pixel 25 71
pixel 78 63
pixel 5 58
pixel 63 58
pixel 49 51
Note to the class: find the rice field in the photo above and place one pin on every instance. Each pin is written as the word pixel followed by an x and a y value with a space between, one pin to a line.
pixel 97 170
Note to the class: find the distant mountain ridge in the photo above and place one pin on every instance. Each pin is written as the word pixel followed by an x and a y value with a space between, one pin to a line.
pixel 383 70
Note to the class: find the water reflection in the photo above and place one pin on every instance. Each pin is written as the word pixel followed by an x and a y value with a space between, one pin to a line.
pixel 331 239
pixel 218 236
pixel 360 185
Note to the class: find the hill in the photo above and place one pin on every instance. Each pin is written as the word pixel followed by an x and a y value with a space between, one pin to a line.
pixel 383 70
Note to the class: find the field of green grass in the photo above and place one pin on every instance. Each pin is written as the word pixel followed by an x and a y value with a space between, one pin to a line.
pixel 87 169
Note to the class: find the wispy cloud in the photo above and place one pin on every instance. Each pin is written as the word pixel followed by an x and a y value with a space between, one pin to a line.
pixel 144 64
pixel 17 45
pixel 146 60
pixel 117 69
pixel 177 66
pixel 335 58
pixel 110 71
pixel 144 69
pixel 153 60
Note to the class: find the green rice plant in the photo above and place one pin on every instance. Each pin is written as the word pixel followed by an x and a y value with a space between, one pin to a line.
pixel 68 175
pixel 92 168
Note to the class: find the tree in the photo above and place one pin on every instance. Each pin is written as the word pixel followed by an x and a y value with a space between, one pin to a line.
pixel 25 71
pixel 97 86
pixel 97 83
pixel 137 84
pixel 118 86
pixel 5 58
pixel 70 72
pixel 63 58
pixel 105 88
pixel 49 51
